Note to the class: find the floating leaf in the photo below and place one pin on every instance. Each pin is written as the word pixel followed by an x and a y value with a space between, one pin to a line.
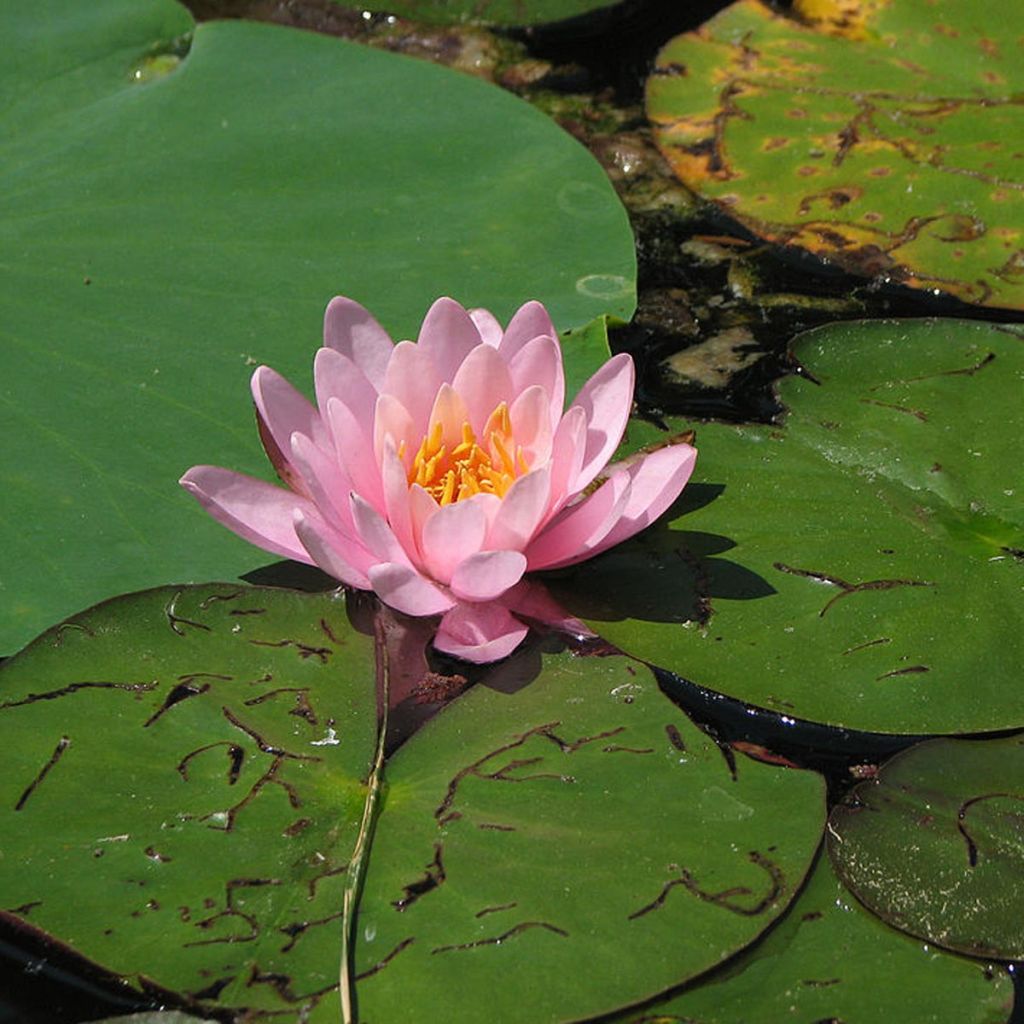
pixel 486 12
pixel 830 960
pixel 885 136
pixel 182 785
pixel 578 831
pixel 935 844
pixel 161 237
pixel 863 564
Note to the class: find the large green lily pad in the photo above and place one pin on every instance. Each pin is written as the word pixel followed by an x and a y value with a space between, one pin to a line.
pixel 486 12
pixel 886 136
pixel 935 844
pixel 578 832
pixel 161 237
pixel 831 960
pixel 183 781
pixel 861 565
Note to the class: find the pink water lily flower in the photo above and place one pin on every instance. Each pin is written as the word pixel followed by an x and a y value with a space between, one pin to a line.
pixel 436 474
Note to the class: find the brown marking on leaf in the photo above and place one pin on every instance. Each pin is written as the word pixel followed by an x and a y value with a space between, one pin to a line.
pixel 302 709
pixel 911 670
pixel 433 877
pixel 762 753
pixel 833 198
pixel 880 172
pixel 820 983
pixel 494 827
pixel 675 737
pixel 306 651
pixel 615 749
pixel 176 622
pixel 972 846
pixel 727 897
pixel 58 635
pixel 774 142
pixel 845 588
pixel 25 909
pixel 916 413
pixel 247 611
pixel 214 989
pixel 236 755
pixel 176 695
pixel 64 691
pixel 868 643
pixel 230 911
pixel 325 628
pixel 382 963
pixel 297 827
pixel 214 598
pixel 58 752
pixel 297 929
pixel 282 985
pixel 496 910
pixel 154 854
pixel 497 940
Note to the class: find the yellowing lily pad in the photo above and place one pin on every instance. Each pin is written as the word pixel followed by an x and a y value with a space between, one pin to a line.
pixel 886 136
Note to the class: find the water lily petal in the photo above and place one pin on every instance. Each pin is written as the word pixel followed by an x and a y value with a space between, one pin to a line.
pixel 336 376
pixel 483 381
pixel 326 481
pixel 280 411
pixel 257 511
pixel 606 399
pixel 450 411
pixel 574 533
pixel 397 504
pixel 451 535
pixel 521 511
pixel 355 451
pixel 655 482
pixel 404 588
pixel 413 380
pixel 567 450
pixel 333 551
pixel 392 422
pixel 533 601
pixel 448 335
pixel 355 333
pixel 375 534
pixel 488 326
pixel 530 321
pixel 531 423
pixel 479 632
pixel 487 575
pixel 540 362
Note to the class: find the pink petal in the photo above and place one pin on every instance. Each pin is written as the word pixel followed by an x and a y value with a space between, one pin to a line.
pixel 575 532
pixel 606 399
pixel 530 321
pixel 532 600
pixel 355 451
pixel 540 362
pixel 487 575
pixel 654 483
pixel 482 382
pixel 280 411
pixel 479 632
pixel 336 376
pixel 326 482
pixel 391 421
pixel 404 588
pixel 257 511
pixel 448 335
pixel 531 424
pixel 376 536
pixel 521 511
pixel 488 326
pixel 335 553
pixel 354 332
pixel 567 450
pixel 397 504
pixel 451 535
pixel 413 380
pixel 422 506
pixel 450 411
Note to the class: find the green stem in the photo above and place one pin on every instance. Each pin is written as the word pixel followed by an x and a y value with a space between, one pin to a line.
pixel 357 865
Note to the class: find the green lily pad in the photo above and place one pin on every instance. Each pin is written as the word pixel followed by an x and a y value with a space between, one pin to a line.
pixel 885 138
pixel 578 832
pixel 162 236
pixel 935 844
pixel 830 960
pixel 182 785
pixel 486 12
pixel 861 565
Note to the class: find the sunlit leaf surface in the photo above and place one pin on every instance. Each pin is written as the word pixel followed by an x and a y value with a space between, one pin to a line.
pixel 884 135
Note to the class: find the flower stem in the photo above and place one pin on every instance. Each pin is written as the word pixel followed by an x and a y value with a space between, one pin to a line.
pixel 357 864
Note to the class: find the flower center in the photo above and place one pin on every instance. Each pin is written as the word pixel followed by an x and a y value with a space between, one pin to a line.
pixel 453 471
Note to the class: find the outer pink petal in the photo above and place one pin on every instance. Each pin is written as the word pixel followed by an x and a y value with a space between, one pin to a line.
pixel 414 381
pixel 479 632
pixel 483 381
pixel 532 600
pixel 332 551
pixel 404 588
pixel 573 534
pixel 521 511
pixel 567 450
pixel 280 411
pixel 257 511
pixel 422 506
pixel 355 451
pixel 448 335
pixel 451 535
pixel 540 362
pixel 326 481
pixel 487 575
pixel 354 332
pixel 606 399
pixel 654 483
pixel 336 376
pixel 397 504
pixel 530 321
pixel 531 424
pixel 376 535
pixel 488 326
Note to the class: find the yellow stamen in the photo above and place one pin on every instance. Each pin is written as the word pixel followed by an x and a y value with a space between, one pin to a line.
pixel 455 468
